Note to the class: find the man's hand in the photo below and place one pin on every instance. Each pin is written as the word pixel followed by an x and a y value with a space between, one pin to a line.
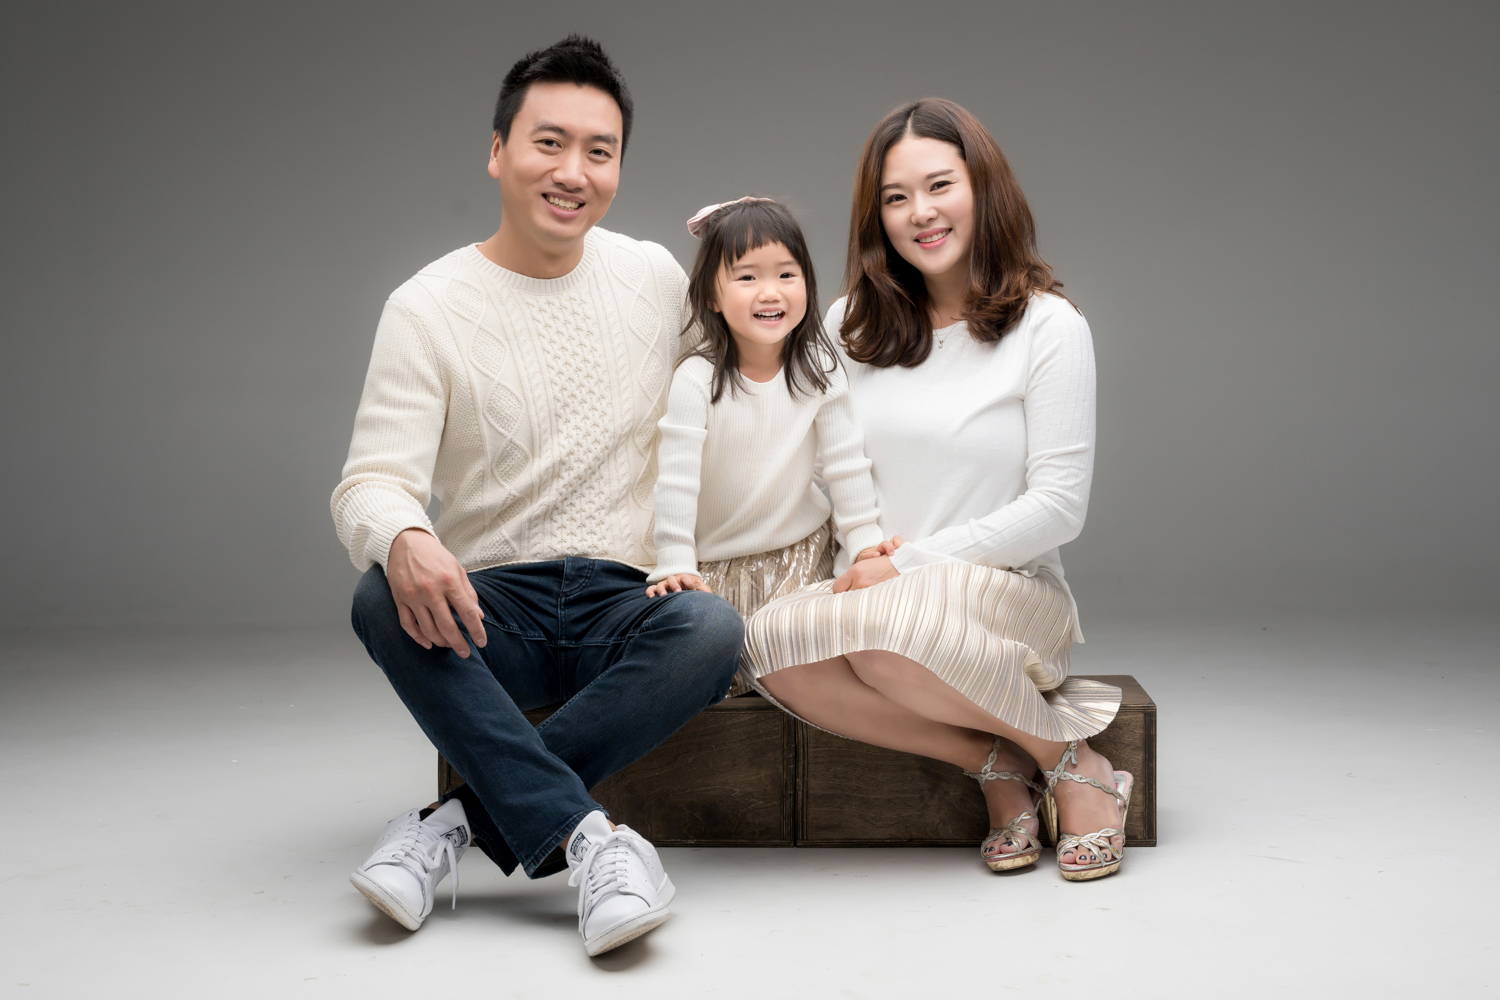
pixel 885 548
pixel 677 582
pixel 429 587
pixel 866 573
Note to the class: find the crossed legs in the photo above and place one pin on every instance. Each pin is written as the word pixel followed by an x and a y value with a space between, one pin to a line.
pixel 889 700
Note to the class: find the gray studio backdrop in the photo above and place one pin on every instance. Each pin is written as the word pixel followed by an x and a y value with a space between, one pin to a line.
pixel 1280 221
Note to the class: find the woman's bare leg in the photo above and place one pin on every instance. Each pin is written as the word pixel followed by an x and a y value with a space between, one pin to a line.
pixel 906 684
pixel 830 694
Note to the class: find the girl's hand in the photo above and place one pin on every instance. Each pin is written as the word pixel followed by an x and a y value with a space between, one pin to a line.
pixel 677 582
pixel 866 573
pixel 885 548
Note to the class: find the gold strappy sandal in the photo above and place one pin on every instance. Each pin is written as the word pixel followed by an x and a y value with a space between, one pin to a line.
pixel 1107 856
pixel 1028 848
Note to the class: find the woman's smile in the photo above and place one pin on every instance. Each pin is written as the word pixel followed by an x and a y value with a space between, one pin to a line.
pixel 933 238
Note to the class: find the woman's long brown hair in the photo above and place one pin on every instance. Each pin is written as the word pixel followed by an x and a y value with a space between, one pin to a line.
pixel 887 319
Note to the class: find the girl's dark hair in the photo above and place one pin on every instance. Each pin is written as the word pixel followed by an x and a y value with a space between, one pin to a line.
pixel 807 356
pixel 886 319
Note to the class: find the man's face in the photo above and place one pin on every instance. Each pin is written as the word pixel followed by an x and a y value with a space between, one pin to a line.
pixel 560 168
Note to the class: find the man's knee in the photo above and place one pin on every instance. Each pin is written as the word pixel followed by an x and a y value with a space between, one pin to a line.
pixel 374 610
pixel 713 633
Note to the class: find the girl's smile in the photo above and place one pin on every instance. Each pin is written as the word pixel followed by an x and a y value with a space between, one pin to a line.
pixel 763 297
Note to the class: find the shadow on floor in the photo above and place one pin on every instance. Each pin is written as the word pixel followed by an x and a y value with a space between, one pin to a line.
pixel 555 911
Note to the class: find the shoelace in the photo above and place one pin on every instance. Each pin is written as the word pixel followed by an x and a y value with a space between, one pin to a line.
pixel 423 846
pixel 597 878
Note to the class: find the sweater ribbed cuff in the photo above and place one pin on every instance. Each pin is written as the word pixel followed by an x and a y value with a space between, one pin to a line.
pixel 383 532
pixel 674 559
pixel 863 537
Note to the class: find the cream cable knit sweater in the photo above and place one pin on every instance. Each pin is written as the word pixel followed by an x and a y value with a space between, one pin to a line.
pixel 528 407
pixel 737 475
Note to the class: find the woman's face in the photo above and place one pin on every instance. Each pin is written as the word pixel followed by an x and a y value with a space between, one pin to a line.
pixel 927 205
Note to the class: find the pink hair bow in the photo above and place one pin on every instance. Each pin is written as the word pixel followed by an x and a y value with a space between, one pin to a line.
pixel 699 222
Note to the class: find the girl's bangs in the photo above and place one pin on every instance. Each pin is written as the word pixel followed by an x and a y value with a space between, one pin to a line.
pixel 754 226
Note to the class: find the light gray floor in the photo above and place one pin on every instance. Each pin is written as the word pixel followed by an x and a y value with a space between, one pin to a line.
pixel 182 813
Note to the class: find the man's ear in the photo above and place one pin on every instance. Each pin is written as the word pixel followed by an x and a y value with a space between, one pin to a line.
pixel 497 146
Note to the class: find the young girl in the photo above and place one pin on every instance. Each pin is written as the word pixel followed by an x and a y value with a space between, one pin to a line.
pixel 751 414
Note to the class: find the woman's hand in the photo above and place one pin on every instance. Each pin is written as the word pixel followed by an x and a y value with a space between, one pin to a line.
pixel 866 573
pixel 885 548
pixel 677 582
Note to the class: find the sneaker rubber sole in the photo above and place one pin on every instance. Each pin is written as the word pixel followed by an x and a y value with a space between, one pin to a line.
pixel 633 927
pixel 384 901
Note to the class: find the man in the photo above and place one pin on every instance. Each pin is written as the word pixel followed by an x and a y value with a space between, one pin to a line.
pixel 520 381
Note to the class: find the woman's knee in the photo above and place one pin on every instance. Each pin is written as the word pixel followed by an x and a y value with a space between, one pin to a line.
pixel 782 684
pixel 794 686
pixel 879 668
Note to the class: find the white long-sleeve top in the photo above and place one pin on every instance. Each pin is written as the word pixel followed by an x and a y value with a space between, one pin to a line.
pixel 984 453
pixel 735 478
pixel 527 406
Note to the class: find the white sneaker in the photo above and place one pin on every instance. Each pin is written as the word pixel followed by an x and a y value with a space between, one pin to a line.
pixel 411 857
pixel 623 891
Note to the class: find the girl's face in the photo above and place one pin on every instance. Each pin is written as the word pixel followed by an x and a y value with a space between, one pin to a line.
pixel 763 295
pixel 927 205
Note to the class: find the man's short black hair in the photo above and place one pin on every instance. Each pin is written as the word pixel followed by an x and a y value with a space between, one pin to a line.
pixel 575 59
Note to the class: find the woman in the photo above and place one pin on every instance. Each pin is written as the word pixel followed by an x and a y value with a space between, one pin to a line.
pixel 973 380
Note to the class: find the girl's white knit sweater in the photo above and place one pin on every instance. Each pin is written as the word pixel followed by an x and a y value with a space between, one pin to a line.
pixel 737 477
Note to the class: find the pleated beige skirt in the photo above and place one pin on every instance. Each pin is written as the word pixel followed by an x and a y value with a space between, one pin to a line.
pixel 750 582
pixel 1001 639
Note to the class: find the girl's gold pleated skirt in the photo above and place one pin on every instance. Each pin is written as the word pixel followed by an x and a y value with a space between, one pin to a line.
pixel 750 582
pixel 1000 638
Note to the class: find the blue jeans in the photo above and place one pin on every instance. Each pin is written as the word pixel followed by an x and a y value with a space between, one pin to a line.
pixel 629 670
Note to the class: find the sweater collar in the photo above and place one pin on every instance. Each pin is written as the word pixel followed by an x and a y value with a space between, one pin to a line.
pixel 537 286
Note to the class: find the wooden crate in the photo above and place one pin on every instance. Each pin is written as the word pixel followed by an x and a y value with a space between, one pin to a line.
pixel 744 773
